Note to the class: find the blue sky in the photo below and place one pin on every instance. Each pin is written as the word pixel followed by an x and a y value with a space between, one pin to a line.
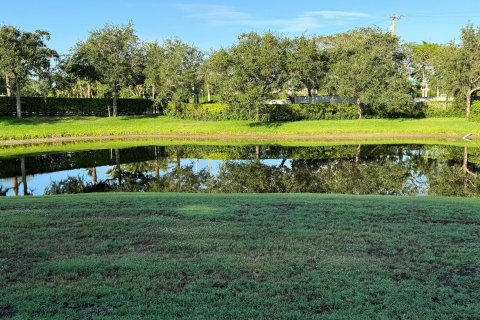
pixel 211 24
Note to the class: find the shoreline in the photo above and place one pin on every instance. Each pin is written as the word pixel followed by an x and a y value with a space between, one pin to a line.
pixel 244 137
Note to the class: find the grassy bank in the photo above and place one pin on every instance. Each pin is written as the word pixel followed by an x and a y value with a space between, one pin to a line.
pixel 57 128
pixel 239 256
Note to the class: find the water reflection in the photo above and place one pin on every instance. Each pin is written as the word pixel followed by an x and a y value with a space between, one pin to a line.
pixel 360 169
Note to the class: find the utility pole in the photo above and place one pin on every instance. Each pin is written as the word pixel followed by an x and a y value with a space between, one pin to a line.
pixel 393 27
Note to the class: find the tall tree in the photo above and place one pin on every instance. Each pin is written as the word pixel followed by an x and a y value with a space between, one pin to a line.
pixel 369 67
pixel 424 60
pixel 307 63
pixel 460 66
pixel 79 67
pixel 113 52
pixel 258 67
pixel 23 54
pixel 180 71
pixel 215 69
pixel 153 65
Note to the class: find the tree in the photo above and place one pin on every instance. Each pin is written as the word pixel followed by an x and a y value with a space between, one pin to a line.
pixel 257 68
pixel 153 65
pixel 369 67
pixel 215 70
pixel 22 55
pixel 4 82
pixel 113 51
pixel 80 68
pixel 424 59
pixel 460 66
pixel 179 72
pixel 307 63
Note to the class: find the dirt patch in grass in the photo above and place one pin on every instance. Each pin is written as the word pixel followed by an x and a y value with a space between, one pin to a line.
pixel 7 311
pixel 284 207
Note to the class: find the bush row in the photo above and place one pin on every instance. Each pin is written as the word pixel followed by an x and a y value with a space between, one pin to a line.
pixel 49 106
pixel 287 112
pixel 326 111
pixel 39 106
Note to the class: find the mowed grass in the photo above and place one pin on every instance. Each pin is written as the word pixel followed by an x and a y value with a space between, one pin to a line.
pixel 164 256
pixel 37 128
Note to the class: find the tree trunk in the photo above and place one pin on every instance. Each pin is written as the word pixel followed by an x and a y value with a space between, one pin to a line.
pixel 469 104
pixel 209 98
pixel 15 186
pixel 119 170
pixel 17 96
pixel 309 91
pixel 89 90
pixel 115 113
pixel 359 109
pixel 177 108
pixel 358 152
pixel 94 176
pixel 7 84
pixel 157 168
pixel 257 152
pixel 257 114
pixel 24 176
pixel 465 168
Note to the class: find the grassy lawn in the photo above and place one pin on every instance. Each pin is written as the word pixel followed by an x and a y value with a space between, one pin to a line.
pixel 163 256
pixel 38 128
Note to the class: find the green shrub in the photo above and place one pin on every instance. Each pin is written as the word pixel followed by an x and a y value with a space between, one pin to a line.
pixel 205 111
pixel 287 112
pixel 49 106
pixel 442 109
pixel 327 111
pixel 475 111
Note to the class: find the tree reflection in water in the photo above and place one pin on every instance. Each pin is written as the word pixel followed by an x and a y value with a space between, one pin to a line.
pixel 369 169
pixel 400 171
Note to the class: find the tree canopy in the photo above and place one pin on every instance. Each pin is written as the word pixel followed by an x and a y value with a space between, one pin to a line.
pixel 366 69
pixel 255 67
pixel 22 55
pixel 459 67
pixel 114 52
pixel 369 67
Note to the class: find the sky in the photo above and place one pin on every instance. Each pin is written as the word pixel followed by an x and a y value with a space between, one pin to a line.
pixel 211 24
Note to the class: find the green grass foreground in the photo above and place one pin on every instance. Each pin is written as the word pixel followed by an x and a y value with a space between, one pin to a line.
pixel 41 128
pixel 164 256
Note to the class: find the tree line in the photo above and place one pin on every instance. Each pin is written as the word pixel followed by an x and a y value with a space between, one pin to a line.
pixel 373 69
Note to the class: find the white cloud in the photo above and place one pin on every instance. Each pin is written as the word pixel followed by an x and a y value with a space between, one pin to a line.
pixel 225 15
pixel 337 15
pixel 215 13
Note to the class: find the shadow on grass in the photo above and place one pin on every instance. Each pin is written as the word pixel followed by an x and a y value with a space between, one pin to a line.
pixel 56 119
pixel 136 117
pixel 266 124
pixel 36 120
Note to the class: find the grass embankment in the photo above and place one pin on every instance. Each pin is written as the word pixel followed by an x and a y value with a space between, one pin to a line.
pixel 58 128
pixel 239 256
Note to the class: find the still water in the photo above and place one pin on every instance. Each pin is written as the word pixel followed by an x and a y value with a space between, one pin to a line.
pixel 347 169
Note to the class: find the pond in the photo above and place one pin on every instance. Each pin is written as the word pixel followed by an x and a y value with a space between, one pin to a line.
pixel 348 169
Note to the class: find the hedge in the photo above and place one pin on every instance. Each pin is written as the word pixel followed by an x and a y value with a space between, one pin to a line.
pixel 49 106
pixel 286 112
